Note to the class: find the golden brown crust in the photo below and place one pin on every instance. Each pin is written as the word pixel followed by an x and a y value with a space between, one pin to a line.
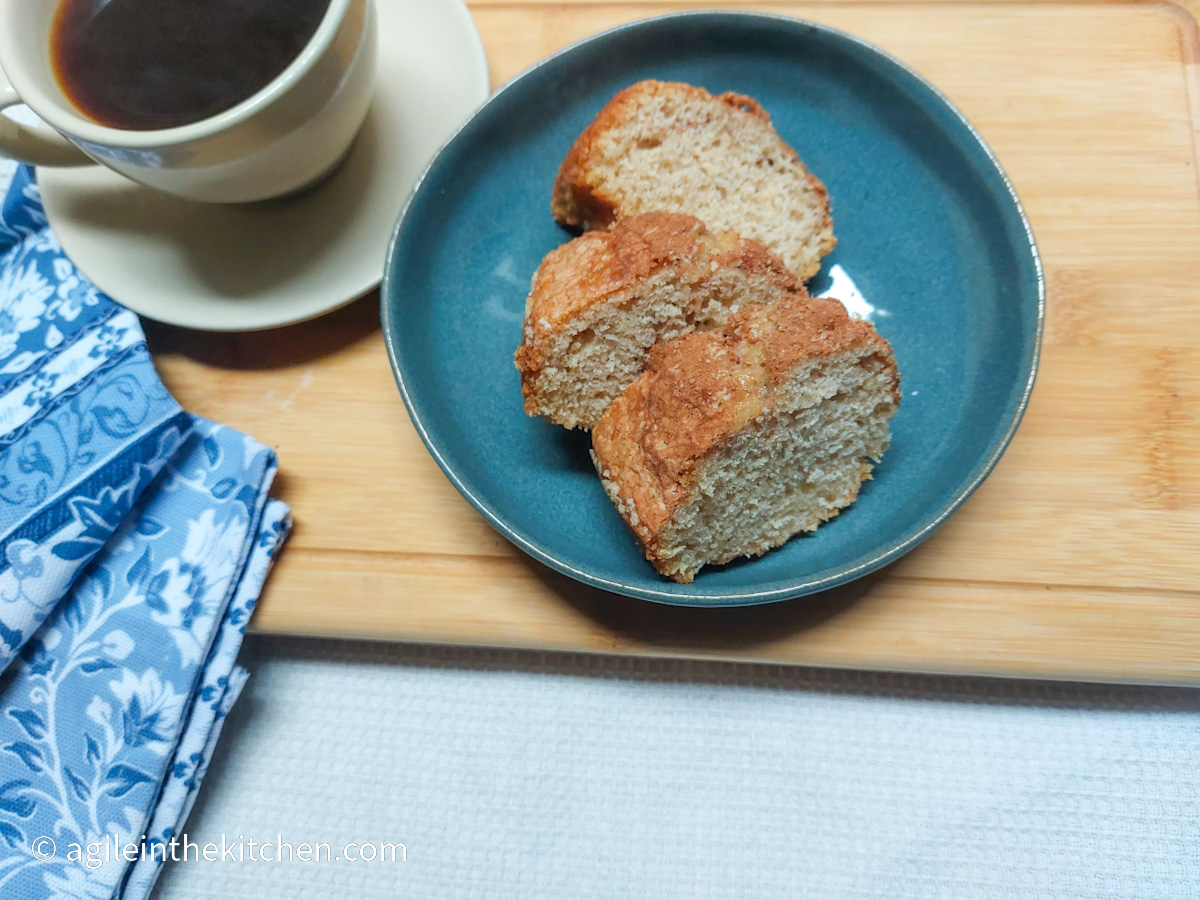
pixel 577 202
pixel 574 202
pixel 701 389
pixel 598 265
pixel 746 104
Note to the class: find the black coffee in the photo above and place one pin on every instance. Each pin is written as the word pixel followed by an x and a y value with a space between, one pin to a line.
pixel 146 64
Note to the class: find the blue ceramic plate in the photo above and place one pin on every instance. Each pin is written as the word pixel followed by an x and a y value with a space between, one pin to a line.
pixel 932 245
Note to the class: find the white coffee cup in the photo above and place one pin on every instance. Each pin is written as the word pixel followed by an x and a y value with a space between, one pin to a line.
pixel 288 135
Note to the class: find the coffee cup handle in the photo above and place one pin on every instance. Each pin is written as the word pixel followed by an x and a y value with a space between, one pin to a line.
pixel 40 145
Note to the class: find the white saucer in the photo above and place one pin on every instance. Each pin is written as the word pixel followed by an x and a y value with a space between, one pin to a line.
pixel 241 268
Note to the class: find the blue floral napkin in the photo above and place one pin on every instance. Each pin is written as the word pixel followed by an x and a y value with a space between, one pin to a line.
pixel 134 541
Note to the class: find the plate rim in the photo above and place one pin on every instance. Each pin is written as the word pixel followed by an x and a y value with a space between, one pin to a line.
pixel 700 598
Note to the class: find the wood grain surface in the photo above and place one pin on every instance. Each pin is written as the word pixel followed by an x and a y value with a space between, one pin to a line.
pixel 1078 558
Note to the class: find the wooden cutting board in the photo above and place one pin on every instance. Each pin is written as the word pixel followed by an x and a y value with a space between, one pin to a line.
pixel 1078 558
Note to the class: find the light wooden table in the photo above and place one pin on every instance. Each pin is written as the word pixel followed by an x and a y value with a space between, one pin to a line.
pixel 1079 557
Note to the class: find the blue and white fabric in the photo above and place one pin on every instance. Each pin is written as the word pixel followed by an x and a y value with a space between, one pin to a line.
pixel 134 541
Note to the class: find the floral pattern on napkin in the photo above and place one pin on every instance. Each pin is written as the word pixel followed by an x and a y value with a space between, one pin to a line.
pixel 134 541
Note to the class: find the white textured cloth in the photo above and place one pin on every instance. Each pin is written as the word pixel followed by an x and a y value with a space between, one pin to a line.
pixel 512 774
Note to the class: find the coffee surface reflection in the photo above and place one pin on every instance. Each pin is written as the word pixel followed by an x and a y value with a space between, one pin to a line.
pixel 150 64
